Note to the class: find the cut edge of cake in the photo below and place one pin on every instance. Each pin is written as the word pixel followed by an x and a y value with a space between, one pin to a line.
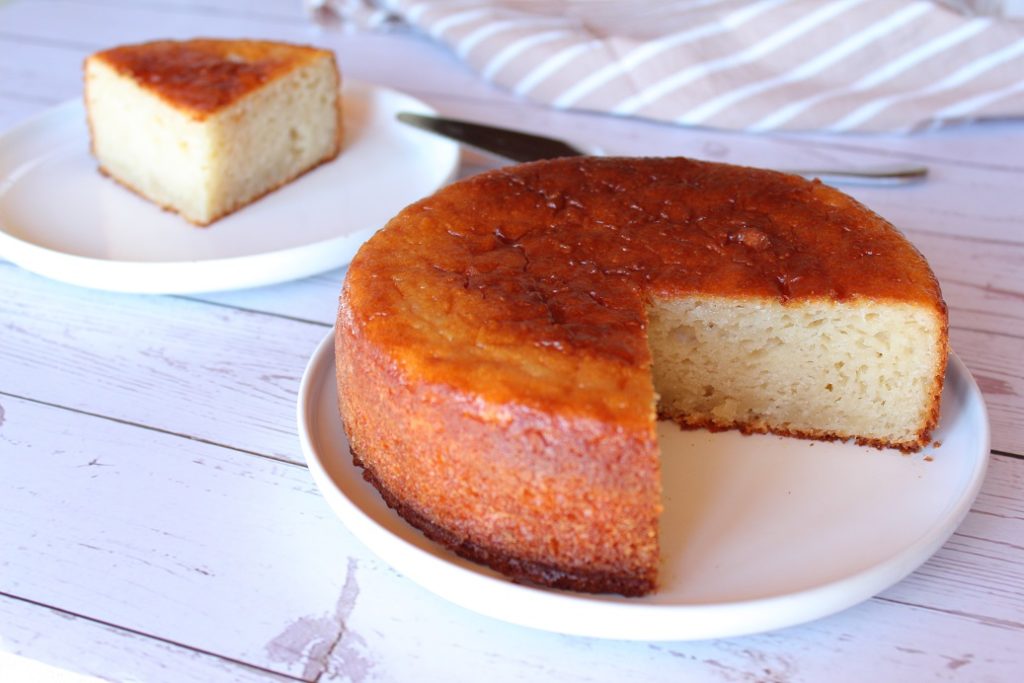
pixel 751 365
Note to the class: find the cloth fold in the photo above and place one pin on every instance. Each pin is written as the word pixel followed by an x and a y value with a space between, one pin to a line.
pixel 761 65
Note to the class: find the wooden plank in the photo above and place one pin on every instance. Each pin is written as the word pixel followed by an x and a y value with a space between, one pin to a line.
pixel 957 202
pixel 997 364
pixel 214 373
pixel 168 536
pixel 40 75
pixel 982 144
pixel 982 280
pixel 142 21
pixel 269 10
pixel 109 653
pixel 313 299
pixel 981 563
pixel 875 640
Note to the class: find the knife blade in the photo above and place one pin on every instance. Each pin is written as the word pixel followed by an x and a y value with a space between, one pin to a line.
pixel 511 144
pixel 522 147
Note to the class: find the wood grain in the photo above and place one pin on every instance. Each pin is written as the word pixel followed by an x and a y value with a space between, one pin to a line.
pixel 113 653
pixel 218 374
pixel 165 535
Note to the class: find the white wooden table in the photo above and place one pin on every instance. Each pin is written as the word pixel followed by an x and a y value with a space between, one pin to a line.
pixel 157 521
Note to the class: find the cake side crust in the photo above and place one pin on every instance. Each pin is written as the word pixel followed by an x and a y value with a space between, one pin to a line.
pixel 554 499
pixel 518 569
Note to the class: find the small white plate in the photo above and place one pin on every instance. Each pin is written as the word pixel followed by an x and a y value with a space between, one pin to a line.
pixel 60 218
pixel 759 532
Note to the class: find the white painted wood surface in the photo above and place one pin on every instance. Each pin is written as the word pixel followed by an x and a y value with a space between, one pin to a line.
pixel 157 522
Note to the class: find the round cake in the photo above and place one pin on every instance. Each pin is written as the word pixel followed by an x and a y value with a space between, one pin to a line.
pixel 505 347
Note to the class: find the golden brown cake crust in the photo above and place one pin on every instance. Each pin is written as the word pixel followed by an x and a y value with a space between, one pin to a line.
pixel 577 579
pixel 505 481
pixel 201 76
pixel 493 370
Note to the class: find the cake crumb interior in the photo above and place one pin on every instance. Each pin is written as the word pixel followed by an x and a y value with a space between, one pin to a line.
pixel 816 368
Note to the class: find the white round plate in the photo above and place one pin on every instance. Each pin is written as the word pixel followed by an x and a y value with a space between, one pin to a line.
pixel 60 218
pixel 759 532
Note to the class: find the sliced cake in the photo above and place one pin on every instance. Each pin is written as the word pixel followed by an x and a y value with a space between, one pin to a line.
pixel 204 127
pixel 505 347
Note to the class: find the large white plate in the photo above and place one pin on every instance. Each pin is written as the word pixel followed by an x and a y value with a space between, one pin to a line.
pixel 60 218
pixel 758 533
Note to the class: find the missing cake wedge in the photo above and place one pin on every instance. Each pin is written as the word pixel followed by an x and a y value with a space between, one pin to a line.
pixel 204 127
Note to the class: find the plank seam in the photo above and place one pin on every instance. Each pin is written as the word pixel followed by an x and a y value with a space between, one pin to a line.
pixel 980 618
pixel 42 41
pixel 1008 454
pixel 150 636
pixel 977 331
pixel 139 425
pixel 283 316
pixel 963 238
pixel 22 97
pixel 898 154
pixel 267 456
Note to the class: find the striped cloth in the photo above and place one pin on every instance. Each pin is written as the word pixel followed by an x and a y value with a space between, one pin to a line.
pixel 761 65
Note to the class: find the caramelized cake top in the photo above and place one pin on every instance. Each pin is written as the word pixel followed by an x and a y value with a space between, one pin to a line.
pixel 201 76
pixel 528 284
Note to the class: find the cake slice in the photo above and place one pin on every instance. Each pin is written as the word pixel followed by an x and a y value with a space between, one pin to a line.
pixel 203 127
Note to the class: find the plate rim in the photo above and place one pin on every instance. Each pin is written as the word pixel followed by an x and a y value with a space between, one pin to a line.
pixel 191 276
pixel 587 615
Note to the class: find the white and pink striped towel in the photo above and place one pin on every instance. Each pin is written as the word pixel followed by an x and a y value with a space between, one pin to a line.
pixel 760 65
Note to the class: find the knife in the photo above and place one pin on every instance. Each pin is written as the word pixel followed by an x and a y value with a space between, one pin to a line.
pixel 511 144
pixel 522 147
